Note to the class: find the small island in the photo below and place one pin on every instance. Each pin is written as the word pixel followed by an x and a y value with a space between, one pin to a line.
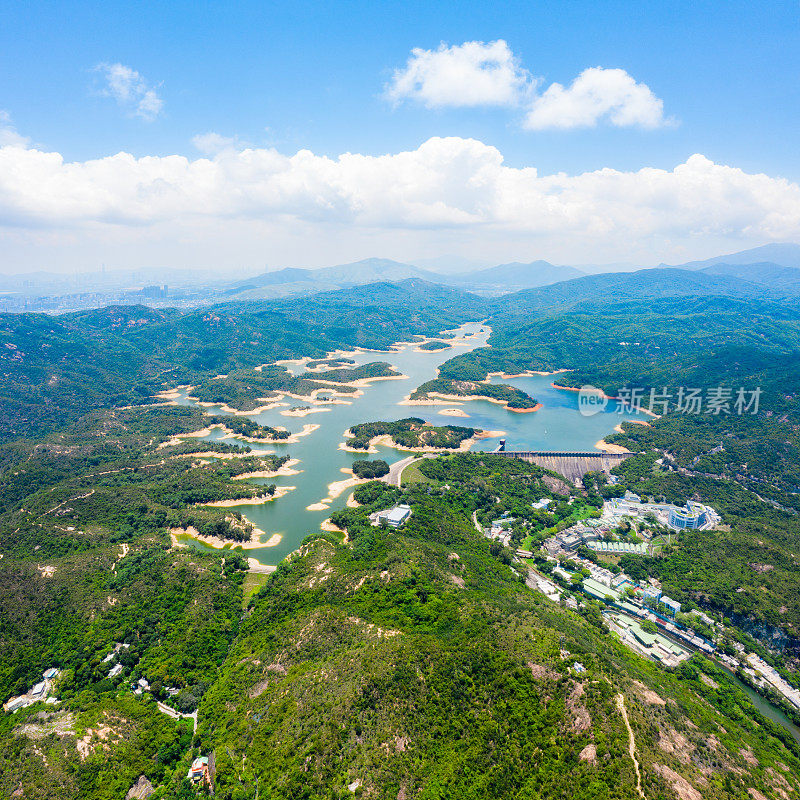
pixel 510 397
pixel 434 344
pixel 411 433
pixel 248 429
pixel 370 469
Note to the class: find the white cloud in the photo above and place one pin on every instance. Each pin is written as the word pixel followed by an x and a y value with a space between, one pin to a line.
pixel 594 95
pixel 131 91
pixel 9 137
pixel 447 189
pixel 212 143
pixel 470 74
pixel 489 74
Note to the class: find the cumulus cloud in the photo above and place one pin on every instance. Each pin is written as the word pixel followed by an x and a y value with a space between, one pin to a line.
pixel 130 90
pixel 9 137
pixel 489 74
pixel 469 74
pixel 446 184
pixel 594 95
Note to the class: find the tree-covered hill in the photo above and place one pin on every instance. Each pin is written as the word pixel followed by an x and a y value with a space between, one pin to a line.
pixel 413 663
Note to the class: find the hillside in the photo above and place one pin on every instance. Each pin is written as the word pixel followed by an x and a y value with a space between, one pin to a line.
pixel 291 281
pixel 599 290
pixel 774 276
pixel 415 664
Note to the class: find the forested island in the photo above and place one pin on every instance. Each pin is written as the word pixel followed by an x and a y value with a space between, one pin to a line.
pixel 412 433
pixel 452 389
pixel 435 344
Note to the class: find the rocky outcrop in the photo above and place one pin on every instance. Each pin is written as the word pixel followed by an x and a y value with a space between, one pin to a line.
pixel 140 790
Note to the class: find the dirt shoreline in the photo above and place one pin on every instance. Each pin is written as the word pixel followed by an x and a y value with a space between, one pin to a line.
pixel 285 469
pixel 251 501
pixel 527 374
pixel 385 440
pixel 607 447
pixel 450 398
pixel 453 412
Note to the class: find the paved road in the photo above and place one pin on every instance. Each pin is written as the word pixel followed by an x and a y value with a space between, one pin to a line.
pixel 396 469
pixel 171 712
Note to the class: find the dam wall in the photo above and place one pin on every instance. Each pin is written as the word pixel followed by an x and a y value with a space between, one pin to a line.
pixel 573 466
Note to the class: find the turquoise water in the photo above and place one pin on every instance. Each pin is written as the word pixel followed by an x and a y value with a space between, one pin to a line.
pixel 556 426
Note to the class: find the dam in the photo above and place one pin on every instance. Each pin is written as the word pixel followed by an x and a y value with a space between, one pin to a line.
pixel 572 465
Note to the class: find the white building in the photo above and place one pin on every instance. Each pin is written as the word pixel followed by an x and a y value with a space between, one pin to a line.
pixel 394 517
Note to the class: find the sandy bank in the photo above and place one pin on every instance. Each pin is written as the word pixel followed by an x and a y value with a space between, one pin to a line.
pixel 364 382
pixel 453 412
pixel 607 447
pixel 328 526
pixel 268 404
pixel 428 402
pixel 308 428
pixel 286 469
pixel 527 374
pixel 256 566
pixel 450 398
pixel 386 441
pixel 304 412
pixel 217 542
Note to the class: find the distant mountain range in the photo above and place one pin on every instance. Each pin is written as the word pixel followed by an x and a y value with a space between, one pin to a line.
pixel 783 255
pixel 776 266
pixel 494 280
pixel 771 271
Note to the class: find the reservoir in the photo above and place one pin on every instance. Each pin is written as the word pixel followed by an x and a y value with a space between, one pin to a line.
pixel 287 520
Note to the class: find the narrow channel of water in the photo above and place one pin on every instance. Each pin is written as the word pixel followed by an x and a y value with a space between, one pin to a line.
pixel 288 520
pixel 763 705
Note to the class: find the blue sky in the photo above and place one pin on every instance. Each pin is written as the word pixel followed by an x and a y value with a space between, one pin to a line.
pixel 294 76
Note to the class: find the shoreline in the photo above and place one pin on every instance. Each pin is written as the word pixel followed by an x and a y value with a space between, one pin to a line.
pixel 385 440
pixel 639 410
pixel 285 469
pixel 451 398
pixel 607 447
pixel 217 542
pixel 304 412
pixel 280 491
pixel 527 374
pixel 364 382
pixel 453 412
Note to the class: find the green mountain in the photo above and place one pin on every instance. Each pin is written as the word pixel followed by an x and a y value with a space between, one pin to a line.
pixel 601 290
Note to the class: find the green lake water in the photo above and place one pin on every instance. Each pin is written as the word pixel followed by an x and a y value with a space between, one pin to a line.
pixel 556 426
